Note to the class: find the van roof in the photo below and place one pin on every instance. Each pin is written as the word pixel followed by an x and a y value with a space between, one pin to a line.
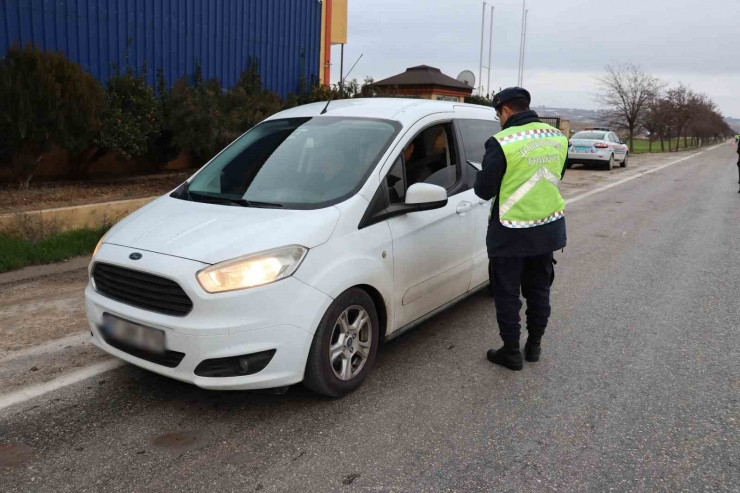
pixel 405 111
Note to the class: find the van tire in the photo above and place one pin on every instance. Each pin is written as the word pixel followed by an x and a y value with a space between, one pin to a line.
pixel 320 376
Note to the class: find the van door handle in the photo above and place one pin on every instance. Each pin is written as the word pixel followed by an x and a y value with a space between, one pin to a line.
pixel 464 207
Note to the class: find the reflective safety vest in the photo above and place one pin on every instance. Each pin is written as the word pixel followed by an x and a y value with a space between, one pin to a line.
pixel 530 190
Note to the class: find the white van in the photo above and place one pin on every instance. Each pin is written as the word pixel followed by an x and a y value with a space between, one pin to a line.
pixel 299 248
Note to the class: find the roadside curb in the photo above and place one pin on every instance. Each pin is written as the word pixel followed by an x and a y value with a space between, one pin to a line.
pixel 75 217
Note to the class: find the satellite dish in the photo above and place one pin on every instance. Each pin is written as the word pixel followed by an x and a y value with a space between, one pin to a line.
pixel 467 77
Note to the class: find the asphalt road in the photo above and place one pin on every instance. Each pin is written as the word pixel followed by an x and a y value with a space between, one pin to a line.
pixel 638 388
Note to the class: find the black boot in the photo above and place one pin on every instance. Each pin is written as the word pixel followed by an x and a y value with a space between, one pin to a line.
pixel 509 356
pixel 532 350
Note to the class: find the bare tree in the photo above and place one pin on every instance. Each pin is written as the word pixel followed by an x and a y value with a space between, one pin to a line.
pixel 652 119
pixel 664 126
pixel 626 90
pixel 680 111
pixel 700 109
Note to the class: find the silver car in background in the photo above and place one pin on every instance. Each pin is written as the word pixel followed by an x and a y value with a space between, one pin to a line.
pixel 600 148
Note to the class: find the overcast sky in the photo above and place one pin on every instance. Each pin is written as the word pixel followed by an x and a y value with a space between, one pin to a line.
pixel 568 42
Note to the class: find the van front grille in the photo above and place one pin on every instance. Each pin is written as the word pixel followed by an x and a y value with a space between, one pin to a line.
pixel 140 289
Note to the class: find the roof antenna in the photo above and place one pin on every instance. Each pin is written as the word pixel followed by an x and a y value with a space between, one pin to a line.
pixel 341 84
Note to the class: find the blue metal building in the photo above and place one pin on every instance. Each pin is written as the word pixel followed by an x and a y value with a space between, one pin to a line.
pixel 283 35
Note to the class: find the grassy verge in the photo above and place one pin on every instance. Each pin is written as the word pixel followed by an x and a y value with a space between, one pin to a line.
pixel 17 251
pixel 642 146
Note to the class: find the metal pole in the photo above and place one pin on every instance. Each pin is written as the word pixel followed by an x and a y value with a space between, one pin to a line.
pixel 521 42
pixel 341 69
pixel 490 48
pixel 524 47
pixel 482 33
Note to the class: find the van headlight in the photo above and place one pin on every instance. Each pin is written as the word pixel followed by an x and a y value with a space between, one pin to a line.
pixel 100 243
pixel 252 270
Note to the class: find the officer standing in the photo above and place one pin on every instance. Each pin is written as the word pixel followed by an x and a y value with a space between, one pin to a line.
pixel 737 141
pixel 522 169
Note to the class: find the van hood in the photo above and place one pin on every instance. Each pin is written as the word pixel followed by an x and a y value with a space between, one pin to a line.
pixel 212 233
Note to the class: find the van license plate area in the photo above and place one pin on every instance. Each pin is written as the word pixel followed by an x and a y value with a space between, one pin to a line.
pixel 134 335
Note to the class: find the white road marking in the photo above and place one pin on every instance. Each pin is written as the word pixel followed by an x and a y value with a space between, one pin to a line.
pixel 634 177
pixel 34 391
pixel 47 347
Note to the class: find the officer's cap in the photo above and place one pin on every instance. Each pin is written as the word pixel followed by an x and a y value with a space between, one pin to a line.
pixel 509 94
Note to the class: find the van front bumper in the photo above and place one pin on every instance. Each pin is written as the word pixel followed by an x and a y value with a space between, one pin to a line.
pixel 282 317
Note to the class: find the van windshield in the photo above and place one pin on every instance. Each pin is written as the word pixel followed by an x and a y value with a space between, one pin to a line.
pixel 296 163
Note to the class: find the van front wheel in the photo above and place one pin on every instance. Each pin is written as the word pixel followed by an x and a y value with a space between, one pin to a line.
pixel 344 346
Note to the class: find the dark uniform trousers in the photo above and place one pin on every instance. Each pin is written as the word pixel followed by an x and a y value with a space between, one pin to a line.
pixel 530 276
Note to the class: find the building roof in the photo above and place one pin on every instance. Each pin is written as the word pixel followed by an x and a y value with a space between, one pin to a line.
pixel 424 75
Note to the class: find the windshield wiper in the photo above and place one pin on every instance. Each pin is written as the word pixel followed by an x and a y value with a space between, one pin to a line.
pixel 207 198
pixel 261 205
pixel 213 199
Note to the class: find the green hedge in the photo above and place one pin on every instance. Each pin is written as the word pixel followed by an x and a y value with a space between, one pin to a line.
pixel 47 100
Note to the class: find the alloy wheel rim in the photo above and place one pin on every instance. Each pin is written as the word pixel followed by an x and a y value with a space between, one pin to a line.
pixel 350 343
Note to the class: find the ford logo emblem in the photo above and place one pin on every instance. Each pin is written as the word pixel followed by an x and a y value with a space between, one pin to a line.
pixel 135 256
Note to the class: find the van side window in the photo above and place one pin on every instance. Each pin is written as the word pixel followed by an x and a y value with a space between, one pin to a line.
pixel 475 133
pixel 430 157
pixel 396 181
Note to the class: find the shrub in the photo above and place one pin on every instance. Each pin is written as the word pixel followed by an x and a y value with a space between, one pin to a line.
pixel 203 118
pixel 195 116
pixel 162 147
pixel 247 103
pixel 315 93
pixel 486 100
pixel 44 100
pixel 81 103
pixel 132 115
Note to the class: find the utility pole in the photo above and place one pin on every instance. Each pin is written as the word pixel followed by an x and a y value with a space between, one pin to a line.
pixel 482 34
pixel 341 64
pixel 341 71
pixel 521 42
pixel 524 48
pixel 490 49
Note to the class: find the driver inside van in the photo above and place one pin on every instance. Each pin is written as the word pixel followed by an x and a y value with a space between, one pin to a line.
pixel 435 142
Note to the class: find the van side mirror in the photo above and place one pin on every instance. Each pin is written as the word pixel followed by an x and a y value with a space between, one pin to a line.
pixel 426 197
pixel 419 197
